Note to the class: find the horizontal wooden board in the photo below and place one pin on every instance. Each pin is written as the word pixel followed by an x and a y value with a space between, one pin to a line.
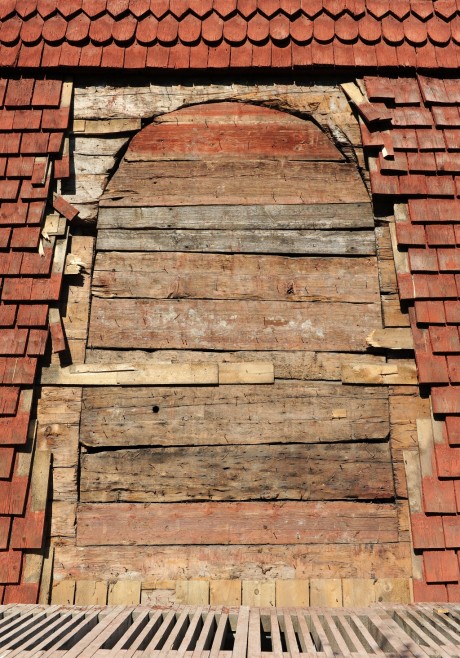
pixel 184 183
pixel 288 365
pixel 226 325
pixel 275 472
pixel 128 374
pixel 287 412
pixel 213 276
pixel 172 524
pixel 191 141
pixel 392 560
pixel 272 217
pixel 356 243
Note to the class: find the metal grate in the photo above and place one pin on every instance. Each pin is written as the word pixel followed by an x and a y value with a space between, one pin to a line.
pixel 416 631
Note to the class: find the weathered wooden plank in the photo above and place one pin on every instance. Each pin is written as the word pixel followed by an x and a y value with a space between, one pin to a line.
pixel 234 562
pixel 284 413
pixel 269 217
pixel 326 366
pixel 302 140
pixel 339 243
pixel 224 325
pixel 235 523
pixel 330 472
pixel 215 276
pixel 245 182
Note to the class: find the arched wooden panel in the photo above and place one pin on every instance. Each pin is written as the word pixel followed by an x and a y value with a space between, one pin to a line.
pixel 232 153
pixel 232 232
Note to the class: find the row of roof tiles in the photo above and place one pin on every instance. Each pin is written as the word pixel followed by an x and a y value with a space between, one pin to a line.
pixel 234 29
pixel 402 9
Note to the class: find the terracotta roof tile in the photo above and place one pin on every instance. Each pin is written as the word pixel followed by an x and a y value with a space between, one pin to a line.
pixel 441 566
pixel 400 35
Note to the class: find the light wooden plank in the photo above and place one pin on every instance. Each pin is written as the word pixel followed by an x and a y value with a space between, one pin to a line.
pixel 358 592
pixel 268 217
pixel 392 590
pixel 326 592
pixel 391 339
pixel 293 593
pixel 192 592
pixel 221 325
pixel 124 592
pixel 122 375
pixel 388 373
pixel 224 562
pixel 326 366
pixel 286 412
pixel 241 182
pixel 235 523
pixel 225 592
pixel 90 592
pixel 63 592
pixel 214 276
pixel 257 241
pixel 245 472
pixel 258 593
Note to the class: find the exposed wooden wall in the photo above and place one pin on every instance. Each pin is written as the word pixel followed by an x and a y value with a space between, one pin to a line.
pixel 251 239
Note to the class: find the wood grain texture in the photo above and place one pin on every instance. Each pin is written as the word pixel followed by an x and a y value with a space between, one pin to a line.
pixel 212 276
pixel 360 243
pixel 388 560
pixel 235 523
pixel 226 325
pixel 250 217
pixel 287 412
pixel 287 472
pixel 240 182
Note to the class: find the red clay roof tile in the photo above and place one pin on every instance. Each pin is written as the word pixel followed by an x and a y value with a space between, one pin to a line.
pixel 441 566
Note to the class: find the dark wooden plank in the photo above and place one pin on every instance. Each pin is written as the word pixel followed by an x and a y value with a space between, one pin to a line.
pixel 225 325
pixel 183 183
pixel 287 412
pixel 275 217
pixel 338 243
pixel 159 524
pixel 245 472
pixel 213 276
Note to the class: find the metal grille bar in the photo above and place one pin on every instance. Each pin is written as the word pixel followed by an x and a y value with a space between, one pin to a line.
pixel 416 631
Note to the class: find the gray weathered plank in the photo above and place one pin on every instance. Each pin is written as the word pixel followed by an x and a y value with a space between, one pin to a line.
pixel 275 217
pixel 353 243
pixel 235 523
pixel 215 276
pixel 225 325
pixel 287 412
pixel 287 472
